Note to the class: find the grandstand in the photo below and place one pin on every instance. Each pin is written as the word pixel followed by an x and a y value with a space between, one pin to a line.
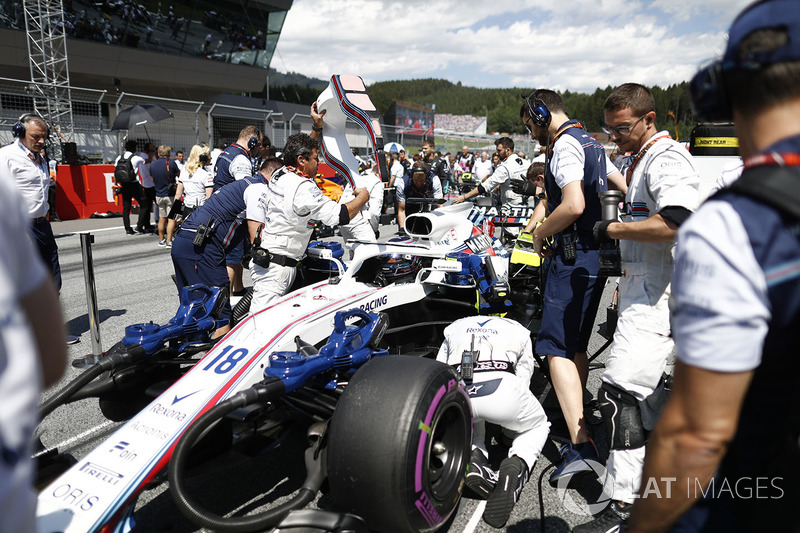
pixel 460 124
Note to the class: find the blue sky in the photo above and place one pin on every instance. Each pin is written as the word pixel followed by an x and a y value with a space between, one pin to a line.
pixel 575 45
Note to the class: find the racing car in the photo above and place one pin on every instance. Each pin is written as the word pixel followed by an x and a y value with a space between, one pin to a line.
pixel 389 430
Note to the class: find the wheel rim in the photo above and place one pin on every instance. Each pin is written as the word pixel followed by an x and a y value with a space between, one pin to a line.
pixel 447 451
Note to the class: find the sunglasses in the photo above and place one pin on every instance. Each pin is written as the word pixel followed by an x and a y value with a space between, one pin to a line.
pixel 621 130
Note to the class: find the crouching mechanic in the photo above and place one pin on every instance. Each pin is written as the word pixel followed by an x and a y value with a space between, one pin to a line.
pixel 201 244
pixel 294 203
pixel 499 392
pixel 662 192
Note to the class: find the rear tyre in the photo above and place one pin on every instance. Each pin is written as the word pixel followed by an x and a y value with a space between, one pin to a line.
pixel 399 444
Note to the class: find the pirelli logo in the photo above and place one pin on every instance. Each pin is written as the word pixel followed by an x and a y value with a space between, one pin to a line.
pixel 718 142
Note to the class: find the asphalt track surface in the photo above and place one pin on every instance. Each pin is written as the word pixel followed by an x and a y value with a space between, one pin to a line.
pixel 133 285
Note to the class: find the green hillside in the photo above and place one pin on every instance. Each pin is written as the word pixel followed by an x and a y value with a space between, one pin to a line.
pixel 500 106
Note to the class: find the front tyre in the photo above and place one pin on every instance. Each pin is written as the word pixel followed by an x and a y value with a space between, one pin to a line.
pixel 399 444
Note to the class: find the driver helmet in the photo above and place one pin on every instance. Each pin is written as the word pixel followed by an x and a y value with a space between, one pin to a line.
pixel 399 267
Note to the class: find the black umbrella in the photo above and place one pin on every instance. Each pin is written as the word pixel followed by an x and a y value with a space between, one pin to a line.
pixel 139 115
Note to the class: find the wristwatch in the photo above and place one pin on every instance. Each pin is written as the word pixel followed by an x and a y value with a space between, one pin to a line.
pixel 316 128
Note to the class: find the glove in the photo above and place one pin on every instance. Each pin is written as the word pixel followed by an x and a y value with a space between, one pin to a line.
pixel 523 187
pixel 600 231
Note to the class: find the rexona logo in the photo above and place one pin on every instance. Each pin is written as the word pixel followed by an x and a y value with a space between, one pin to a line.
pixel 167 412
pixel 374 304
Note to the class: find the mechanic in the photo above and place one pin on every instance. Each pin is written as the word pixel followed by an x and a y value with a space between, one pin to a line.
pixel 22 164
pixel 574 177
pixel 437 165
pixel 419 183
pixel 294 201
pixel 499 392
pixel 511 167
pixel 200 245
pixel 234 163
pixel 33 353
pixel 732 419
pixel 364 225
pixel 663 190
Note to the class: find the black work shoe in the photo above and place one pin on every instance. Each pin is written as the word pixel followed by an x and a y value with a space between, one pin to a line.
pixel 511 478
pixel 481 479
pixel 609 521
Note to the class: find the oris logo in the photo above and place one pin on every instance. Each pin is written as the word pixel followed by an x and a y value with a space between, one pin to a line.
pixel 374 304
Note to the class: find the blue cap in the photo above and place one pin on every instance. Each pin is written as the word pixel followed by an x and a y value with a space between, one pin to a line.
pixel 767 14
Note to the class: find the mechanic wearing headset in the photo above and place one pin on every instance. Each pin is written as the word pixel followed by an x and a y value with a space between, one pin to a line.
pixel 23 164
pixel 732 423
pixel 501 365
pixel 511 169
pixel 235 163
pixel 204 238
pixel 663 190
pixel 294 202
pixel 574 176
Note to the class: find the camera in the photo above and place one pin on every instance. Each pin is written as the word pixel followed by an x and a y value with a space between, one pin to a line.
pixel 610 258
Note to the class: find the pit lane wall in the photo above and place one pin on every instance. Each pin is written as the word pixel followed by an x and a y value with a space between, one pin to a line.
pixel 82 190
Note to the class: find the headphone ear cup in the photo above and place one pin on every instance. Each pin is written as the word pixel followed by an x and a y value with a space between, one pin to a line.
pixel 18 130
pixel 253 142
pixel 709 96
pixel 541 115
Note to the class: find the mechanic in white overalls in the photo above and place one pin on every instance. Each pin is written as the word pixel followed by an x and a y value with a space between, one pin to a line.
pixel 511 168
pixel 364 226
pixel 499 393
pixel 295 201
pixel 663 190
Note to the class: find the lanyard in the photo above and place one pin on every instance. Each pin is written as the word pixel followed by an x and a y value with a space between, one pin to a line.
pixel 297 171
pixel 39 162
pixel 558 134
pixel 630 169
pixel 772 159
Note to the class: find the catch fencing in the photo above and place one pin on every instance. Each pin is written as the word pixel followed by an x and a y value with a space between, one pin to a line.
pixel 193 122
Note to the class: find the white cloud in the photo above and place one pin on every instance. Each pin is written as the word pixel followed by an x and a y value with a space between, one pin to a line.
pixel 569 44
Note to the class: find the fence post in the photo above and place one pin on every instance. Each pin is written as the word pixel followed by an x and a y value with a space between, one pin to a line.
pixel 211 127
pixel 91 292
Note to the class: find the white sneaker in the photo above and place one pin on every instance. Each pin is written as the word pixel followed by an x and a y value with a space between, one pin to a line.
pixel 162 242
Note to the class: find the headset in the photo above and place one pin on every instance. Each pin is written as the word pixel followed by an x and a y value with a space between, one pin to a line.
pixel 708 88
pixel 538 112
pixel 253 142
pixel 19 129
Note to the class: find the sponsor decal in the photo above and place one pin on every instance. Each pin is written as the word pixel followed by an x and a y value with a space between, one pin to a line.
pixel 122 451
pixel 102 473
pixel 148 430
pixel 167 412
pixel 74 497
pixel 181 398
pixel 380 301
pixel 479 243
pixel 483 331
